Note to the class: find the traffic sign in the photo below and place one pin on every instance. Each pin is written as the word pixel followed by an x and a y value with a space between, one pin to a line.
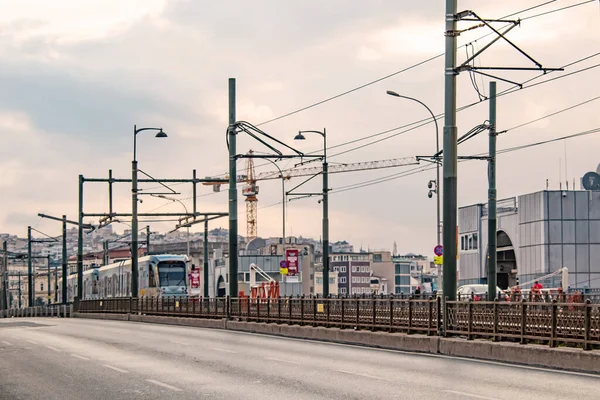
pixel 438 250
pixel 438 260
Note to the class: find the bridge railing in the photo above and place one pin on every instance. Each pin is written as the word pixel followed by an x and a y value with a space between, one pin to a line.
pixel 524 321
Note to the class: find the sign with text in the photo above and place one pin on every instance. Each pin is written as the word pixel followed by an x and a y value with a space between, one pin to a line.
pixel 195 281
pixel 291 256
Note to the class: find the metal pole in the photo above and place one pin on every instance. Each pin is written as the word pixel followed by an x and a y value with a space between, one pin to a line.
pixel 5 275
pixel 492 221
pixel 233 214
pixel 325 219
pixel 30 290
pixel 80 242
pixel 134 221
pixel 188 242
pixel 65 274
pixel 450 155
pixel 148 241
pixel 283 208
pixel 20 294
pixel 49 282
pixel 56 283
pixel 205 258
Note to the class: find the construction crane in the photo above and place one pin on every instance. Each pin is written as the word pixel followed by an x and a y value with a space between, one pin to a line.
pixel 250 190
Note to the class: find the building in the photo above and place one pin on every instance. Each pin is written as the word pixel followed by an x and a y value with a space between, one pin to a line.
pixel 537 234
pixel 353 271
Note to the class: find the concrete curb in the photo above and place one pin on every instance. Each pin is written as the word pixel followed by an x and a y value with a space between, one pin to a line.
pixel 570 359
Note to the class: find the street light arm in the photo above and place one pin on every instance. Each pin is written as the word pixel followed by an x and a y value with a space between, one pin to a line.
pixel 146 129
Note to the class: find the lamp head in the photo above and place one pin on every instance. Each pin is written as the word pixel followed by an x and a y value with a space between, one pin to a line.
pixel 161 134
pixel 299 136
pixel 392 93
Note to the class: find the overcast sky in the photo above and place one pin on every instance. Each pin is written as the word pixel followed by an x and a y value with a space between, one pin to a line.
pixel 75 76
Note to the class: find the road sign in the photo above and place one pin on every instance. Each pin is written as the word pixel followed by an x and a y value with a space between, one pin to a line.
pixel 291 257
pixel 591 181
pixel 438 260
pixel 438 250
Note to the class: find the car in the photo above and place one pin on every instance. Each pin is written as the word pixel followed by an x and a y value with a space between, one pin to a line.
pixel 478 292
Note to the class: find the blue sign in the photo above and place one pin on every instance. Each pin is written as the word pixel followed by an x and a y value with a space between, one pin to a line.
pixel 439 250
pixel 283 264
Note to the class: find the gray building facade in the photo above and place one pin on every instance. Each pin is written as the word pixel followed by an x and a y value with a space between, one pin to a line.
pixel 538 233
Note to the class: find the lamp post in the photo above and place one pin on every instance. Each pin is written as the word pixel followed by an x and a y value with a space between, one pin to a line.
pixel 282 197
pixel 437 164
pixel 162 196
pixel 300 136
pixel 134 213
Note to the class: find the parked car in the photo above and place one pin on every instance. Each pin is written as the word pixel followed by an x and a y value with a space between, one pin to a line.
pixel 478 292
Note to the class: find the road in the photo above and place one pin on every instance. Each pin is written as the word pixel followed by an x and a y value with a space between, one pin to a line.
pixel 93 359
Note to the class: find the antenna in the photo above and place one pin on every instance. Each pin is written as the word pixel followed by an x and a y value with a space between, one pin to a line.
pixel 566 170
pixel 560 172
pixel 546 183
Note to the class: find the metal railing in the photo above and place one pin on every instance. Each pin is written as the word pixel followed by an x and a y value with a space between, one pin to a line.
pixel 39 311
pixel 553 323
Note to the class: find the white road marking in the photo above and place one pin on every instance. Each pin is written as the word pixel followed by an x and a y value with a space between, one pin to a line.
pixel 32 342
pixel 52 348
pixel 115 369
pixel 173 388
pixel 224 350
pixel 7 343
pixel 364 375
pixel 280 360
pixel 80 357
pixel 475 396
pixel 181 343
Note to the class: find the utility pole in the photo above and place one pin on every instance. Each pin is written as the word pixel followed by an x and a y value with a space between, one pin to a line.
pixel 148 241
pixel 325 218
pixel 233 212
pixel 20 294
pixel 79 244
pixel 450 165
pixel 4 275
pixel 492 218
pixel 30 289
pixel 49 281
pixel 65 264
pixel 205 258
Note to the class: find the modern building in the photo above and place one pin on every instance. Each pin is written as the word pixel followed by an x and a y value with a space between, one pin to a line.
pixel 353 271
pixel 538 234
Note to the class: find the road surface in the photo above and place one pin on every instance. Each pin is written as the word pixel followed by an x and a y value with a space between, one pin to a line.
pixel 94 359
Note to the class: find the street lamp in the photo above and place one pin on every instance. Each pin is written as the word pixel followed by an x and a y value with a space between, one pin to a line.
pixel 435 190
pixel 162 196
pixel 300 136
pixel 134 213
pixel 282 195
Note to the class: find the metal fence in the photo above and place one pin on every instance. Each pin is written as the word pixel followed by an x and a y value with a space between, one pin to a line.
pixel 40 311
pixel 553 323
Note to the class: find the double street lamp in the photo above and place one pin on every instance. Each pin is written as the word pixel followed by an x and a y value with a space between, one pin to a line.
pixel 435 190
pixel 134 213
pixel 300 136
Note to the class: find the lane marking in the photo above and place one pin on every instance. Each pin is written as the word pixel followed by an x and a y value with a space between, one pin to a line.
pixel 115 369
pixel 7 343
pixel 283 361
pixel 173 388
pixel 363 375
pixel 80 357
pixel 475 396
pixel 224 350
pixel 181 343
pixel 53 348
pixel 32 342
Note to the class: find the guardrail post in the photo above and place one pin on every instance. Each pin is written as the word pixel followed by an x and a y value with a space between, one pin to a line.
pixel 248 308
pixel 410 314
pixel 342 312
pixel 328 303
pixel 495 337
pixel 587 330
pixel 523 321
pixel 278 309
pixel 391 310
pixel 446 312
pixel 552 341
pixel 438 305
pixel 314 310
pixel 374 300
pixel 429 315
pixel 302 310
pixel 257 309
pixel 228 310
pixel 357 311
pixel 470 319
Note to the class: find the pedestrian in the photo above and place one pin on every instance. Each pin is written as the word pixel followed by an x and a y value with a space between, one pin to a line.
pixel 418 290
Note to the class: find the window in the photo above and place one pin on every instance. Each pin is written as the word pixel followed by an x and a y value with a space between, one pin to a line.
pixel 475 241
pixel 470 242
pixel 345 258
pixel 331 281
pixel 319 281
pixel 402 269
pixel 343 269
pixel 462 242
pixel 402 280
pixel 42 286
pixel 377 257
pixel 364 279
pixel 343 279
pixel 343 290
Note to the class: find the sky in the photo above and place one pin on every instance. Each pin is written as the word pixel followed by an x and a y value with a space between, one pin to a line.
pixel 75 77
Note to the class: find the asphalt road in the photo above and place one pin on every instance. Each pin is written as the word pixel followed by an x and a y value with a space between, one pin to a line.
pixel 93 359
